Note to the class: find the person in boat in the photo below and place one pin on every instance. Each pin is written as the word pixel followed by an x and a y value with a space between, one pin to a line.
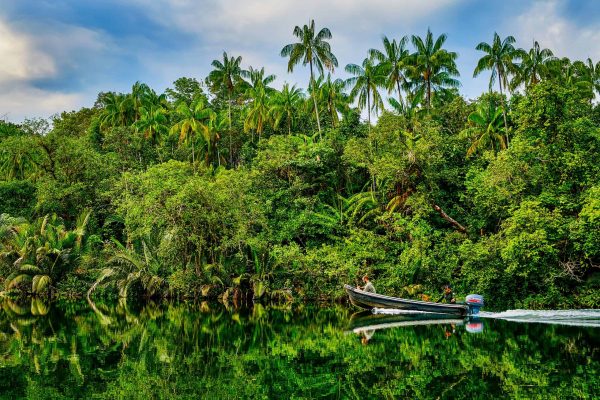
pixel 368 285
pixel 448 295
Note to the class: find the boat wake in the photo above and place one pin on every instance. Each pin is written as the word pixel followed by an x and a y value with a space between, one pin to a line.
pixel 589 318
pixel 586 318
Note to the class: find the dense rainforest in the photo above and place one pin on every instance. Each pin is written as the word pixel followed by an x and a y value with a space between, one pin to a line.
pixel 226 186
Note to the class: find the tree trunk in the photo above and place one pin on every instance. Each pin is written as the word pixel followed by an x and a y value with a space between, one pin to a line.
pixel 428 93
pixel 399 93
pixel 193 156
pixel 454 223
pixel 312 81
pixel 369 108
pixel 230 132
pixel 503 106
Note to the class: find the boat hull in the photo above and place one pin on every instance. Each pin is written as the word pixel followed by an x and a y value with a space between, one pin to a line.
pixel 369 301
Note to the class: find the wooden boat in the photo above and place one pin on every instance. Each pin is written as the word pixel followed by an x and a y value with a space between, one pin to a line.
pixel 369 301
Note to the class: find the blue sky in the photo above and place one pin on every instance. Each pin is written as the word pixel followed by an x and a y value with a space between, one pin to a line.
pixel 57 55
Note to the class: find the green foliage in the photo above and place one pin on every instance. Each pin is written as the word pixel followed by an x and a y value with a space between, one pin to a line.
pixel 43 252
pixel 17 198
pixel 267 193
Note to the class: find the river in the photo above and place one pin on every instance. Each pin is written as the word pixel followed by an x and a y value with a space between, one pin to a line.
pixel 152 351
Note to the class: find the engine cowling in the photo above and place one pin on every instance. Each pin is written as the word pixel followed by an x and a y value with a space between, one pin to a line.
pixel 474 302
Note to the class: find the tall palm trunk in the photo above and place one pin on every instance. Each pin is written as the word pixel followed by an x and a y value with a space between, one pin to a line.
pixel 193 156
pixel 399 92
pixel 369 107
pixel 333 117
pixel 428 91
pixel 312 81
pixel 230 132
pixel 500 76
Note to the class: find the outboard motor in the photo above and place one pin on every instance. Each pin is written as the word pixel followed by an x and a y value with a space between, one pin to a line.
pixel 475 302
pixel 475 325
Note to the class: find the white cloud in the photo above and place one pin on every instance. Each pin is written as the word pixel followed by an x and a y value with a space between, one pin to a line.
pixel 20 100
pixel 20 59
pixel 546 23
pixel 28 58
pixel 251 20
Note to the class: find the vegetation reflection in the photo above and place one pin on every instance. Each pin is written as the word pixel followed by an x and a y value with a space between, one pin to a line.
pixel 183 350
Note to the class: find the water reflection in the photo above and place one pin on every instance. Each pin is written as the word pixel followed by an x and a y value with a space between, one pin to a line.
pixel 212 351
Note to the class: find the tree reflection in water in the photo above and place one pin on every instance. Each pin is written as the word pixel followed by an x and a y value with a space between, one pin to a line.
pixel 209 350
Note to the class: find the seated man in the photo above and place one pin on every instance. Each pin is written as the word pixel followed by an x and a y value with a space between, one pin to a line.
pixel 448 295
pixel 368 285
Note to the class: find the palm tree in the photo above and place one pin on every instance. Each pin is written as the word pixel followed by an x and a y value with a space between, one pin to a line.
pixel 332 96
pixel 117 111
pixel 285 104
pixel 367 79
pixel 499 58
pixel 593 73
pixel 19 158
pixel 44 251
pixel 395 58
pixel 485 129
pixel 572 74
pixel 432 67
pixel 256 78
pixel 129 266
pixel 152 123
pixel 312 50
pixel 258 112
pixel 192 122
pixel 409 109
pixel 534 66
pixel 211 132
pixel 227 75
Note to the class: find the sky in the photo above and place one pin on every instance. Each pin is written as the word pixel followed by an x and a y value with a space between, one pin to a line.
pixel 57 55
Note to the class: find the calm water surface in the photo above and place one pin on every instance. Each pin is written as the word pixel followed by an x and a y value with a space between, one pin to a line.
pixel 213 352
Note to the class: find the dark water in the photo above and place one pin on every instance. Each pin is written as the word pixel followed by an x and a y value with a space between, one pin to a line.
pixel 213 352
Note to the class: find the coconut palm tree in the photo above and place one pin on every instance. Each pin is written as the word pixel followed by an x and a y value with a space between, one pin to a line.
pixel 227 75
pixel 285 104
pixel 409 109
pixel 485 128
pixel 432 67
pixel 593 73
pixel 153 122
pixel 314 50
pixel 533 67
pixel 192 122
pixel 365 83
pixel 395 59
pixel 117 111
pixel 141 95
pixel 256 78
pixel 333 98
pixel 258 112
pixel 211 133
pixel 499 58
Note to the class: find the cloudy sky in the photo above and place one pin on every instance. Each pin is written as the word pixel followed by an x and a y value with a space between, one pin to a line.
pixel 57 55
